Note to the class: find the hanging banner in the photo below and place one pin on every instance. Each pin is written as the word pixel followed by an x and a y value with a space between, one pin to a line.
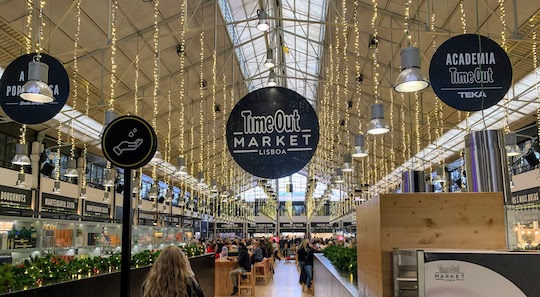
pixel 15 198
pixel 470 72
pixel 272 132
pixel 61 204
pixel 26 112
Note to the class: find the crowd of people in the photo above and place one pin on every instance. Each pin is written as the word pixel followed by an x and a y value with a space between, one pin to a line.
pixel 171 275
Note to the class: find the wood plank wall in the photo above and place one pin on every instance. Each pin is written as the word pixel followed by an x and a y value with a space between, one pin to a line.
pixel 423 220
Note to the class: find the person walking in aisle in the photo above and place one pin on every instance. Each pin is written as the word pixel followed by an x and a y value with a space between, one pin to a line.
pixel 302 254
pixel 171 276
pixel 244 265
pixel 308 266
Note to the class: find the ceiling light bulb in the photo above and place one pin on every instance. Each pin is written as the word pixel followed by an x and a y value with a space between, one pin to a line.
pixel 377 125
pixel 263 25
pixel 56 188
pixel 21 155
pixel 83 193
pixel 109 181
pixel 37 89
pixel 411 78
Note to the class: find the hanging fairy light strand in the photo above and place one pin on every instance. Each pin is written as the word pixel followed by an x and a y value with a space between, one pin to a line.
pixel 136 85
pixel 502 18
pixel 182 77
pixel 344 31
pixel 375 52
pixel 113 53
pixel 156 84
pixel 74 80
pixel 537 74
pixel 214 81
pixel 201 103
pixel 85 145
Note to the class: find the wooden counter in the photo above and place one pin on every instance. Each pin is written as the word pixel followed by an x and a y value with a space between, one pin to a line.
pixel 223 285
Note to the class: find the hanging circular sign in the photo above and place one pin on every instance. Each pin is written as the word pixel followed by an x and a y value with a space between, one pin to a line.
pixel 272 132
pixel 129 142
pixel 470 72
pixel 27 112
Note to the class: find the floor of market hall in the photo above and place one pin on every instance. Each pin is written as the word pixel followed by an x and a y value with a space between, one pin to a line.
pixel 285 282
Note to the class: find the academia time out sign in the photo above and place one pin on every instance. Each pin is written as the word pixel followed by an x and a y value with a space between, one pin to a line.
pixel 470 72
pixel 272 132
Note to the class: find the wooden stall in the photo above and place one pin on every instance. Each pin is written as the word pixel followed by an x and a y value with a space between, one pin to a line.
pixel 223 285
pixel 422 220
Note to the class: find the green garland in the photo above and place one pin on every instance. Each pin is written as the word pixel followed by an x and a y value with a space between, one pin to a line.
pixel 52 269
pixel 342 258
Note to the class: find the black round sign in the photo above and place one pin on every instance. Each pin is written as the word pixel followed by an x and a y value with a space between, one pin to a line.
pixel 129 142
pixel 26 112
pixel 272 132
pixel 470 72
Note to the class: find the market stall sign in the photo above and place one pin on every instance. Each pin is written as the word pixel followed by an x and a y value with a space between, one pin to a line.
pixel 97 210
pixel 129 142
pixel 147 216
pixel 27 112
pixel 15 198
pixel 529 196
pixel 293 225
pixel 272 132
pixel 61 204
pixel 470 72
pixel 478 274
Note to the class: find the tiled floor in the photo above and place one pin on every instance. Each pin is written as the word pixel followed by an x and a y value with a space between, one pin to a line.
pixel 285 282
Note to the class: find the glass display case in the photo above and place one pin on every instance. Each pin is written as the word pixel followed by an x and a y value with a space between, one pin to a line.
pixel 23 238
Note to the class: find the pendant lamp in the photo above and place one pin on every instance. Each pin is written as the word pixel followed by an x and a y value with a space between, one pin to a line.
pixel 182 169
pixel 37 89
pixel 21 155
pixel 359 150
pixel 347 163
pixel 510 143
pixel 377 125
pixel 263 25
pixel 411 78
pixel 71 170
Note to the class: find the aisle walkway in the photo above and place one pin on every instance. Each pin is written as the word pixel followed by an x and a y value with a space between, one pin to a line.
pixel 285 282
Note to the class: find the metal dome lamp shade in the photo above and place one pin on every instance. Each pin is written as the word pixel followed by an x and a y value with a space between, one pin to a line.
pixel 200 179
pixel 21 155
pixel 510 141
pixel 269 63
pixel 182 169
pixel 157 157
pixel 71 170
pixel 20 181
pixel 56 188
pixel 439 178
pixel 272 79
pixel 359 150
pixel 347 163
pixel 37 89
pixel 263 25
pixel 214 187
pixel 109 181
pixel 83 194
pixel 411 78
pixel 377 125
pixel 339 176
pixel 153 192
pixel 224 193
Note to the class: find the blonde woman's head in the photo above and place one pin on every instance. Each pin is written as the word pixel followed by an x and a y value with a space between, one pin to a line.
pixel 169 274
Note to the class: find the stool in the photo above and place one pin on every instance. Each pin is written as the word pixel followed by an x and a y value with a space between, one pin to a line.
pixel 247 284
pixel 262 271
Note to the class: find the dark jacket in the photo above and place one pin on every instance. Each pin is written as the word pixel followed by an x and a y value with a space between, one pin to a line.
pixel 243 258
pixel 309 257
pixel 264 250
pixel 194 289
pixel 302 253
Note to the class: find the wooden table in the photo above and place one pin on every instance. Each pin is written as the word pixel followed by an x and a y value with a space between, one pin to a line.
pixel 223 285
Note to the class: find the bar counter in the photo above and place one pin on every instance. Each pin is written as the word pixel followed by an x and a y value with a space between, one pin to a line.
pixel 223 285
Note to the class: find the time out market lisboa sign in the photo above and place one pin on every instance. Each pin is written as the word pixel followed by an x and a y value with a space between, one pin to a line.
pixel 272 132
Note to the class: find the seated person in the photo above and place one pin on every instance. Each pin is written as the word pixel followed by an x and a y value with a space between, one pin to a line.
pixel 244 265
pixel 257 253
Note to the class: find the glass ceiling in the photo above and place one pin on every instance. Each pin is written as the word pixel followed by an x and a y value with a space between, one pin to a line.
pixel 299 183
pixel 301 48
pixel 523 98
